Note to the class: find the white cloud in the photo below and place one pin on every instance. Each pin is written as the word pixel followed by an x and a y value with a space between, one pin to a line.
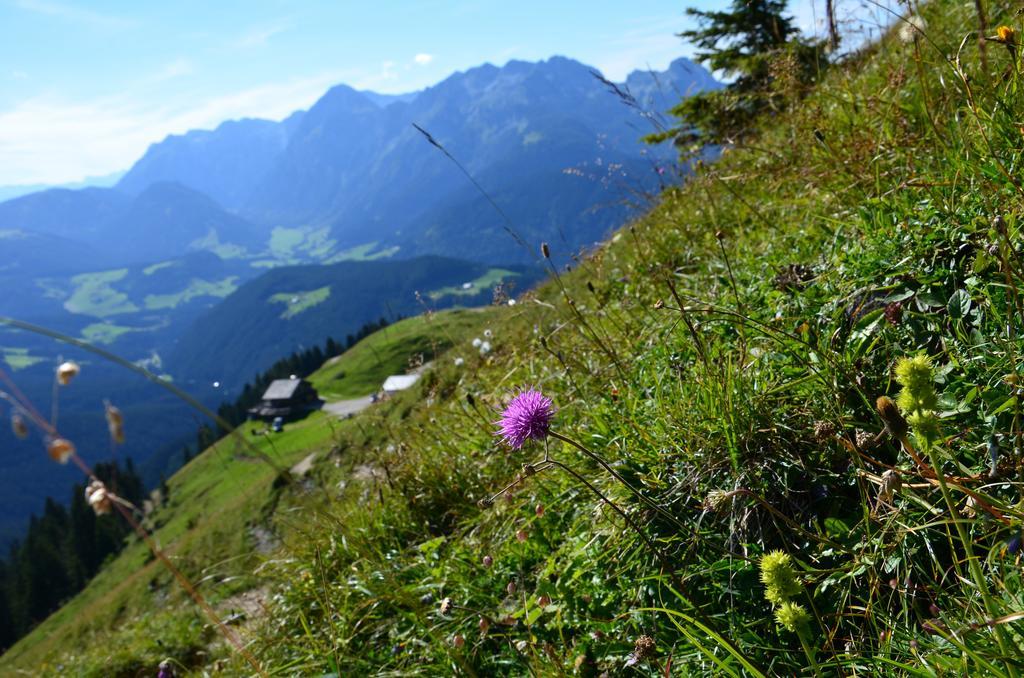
pixel 76 14
pixel 259 36
pixel 423 59
pixel 173 69
pixel 51 140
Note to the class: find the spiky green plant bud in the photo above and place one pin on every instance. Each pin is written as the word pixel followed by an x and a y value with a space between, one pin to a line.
pixel 792 616
pixel 925 424
pixel 917 377
pixel 779 577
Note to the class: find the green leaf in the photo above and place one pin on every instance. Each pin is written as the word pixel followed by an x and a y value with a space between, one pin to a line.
pixel 959 305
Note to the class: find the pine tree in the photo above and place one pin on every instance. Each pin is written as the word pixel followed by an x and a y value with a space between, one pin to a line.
pixel 756 45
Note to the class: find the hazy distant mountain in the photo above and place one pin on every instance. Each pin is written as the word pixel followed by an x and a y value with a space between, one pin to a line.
pixel 224 163
pixel 165 220
pixel 18 190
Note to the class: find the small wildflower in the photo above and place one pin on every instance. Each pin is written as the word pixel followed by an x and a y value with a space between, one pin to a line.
pixel 485 348
pixel 511 302
pixel 488 334
pixel 521 645
pixel 67 371
pixel 488 561
pixel 792 616
pixel 484 624
pixel 60 450
pixel 458 640
pixel 18 426
pixel 528 416
pixel 539 510
pixel 446 606
pixel 165 669
pixel 459 362
pixel 521 535
pixel 477 341
pixel 1006 34
pixel 511 588
pixel 543 601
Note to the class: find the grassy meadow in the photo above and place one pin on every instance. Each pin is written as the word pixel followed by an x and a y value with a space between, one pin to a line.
pixel 716 368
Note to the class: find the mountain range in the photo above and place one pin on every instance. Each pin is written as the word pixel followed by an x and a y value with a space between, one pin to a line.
pixel 179 265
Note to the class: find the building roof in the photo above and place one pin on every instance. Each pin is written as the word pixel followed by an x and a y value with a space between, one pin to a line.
pixel 399 382
pixel 282 389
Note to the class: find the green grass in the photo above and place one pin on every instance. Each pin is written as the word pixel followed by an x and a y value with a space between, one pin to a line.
pixel 487 280
pixel 297 302
pixel 723 355
pixel 95 295
pixel 362 369
pixel 196 288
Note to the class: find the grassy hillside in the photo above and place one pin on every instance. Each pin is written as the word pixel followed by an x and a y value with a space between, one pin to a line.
pixel 715 369
pixel 213 524
pixel 361 370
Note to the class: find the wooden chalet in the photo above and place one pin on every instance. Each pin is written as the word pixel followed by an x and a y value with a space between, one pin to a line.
pixel 286 398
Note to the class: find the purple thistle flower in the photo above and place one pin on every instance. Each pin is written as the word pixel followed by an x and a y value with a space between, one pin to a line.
pixel 528 416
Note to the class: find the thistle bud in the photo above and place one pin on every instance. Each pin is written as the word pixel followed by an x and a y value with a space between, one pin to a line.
pixel 458 640
pixel 60 450
pixel 511 588
pixel 488 561
pixel 484 624
pixel 894 422
pixel 19 427
pixel 543 601
pixel 539 510
pixel 67 371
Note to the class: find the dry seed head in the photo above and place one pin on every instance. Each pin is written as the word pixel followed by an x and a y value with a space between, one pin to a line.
pixel 644 647
pixel 60 450
pixel 98 498
pixel 115 424
pixel 890 486
pixel 67 371
pixel 18 426
pixel 545 250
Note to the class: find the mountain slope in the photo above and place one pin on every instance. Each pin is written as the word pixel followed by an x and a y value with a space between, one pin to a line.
pixel 224 163
pixel 715 369
pixel 293 307
pixel 164 221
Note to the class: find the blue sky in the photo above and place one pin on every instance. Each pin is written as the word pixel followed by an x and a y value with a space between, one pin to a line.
pixel 86 87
